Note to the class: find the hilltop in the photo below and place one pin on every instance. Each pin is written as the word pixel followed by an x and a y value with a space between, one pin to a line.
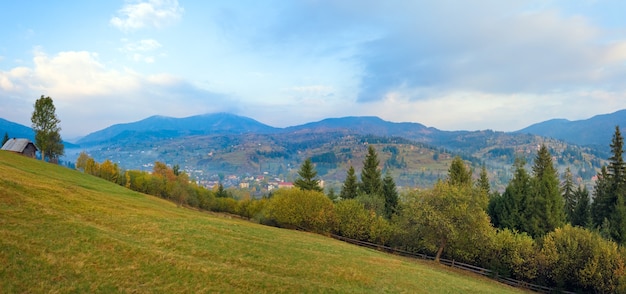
pixel 64 231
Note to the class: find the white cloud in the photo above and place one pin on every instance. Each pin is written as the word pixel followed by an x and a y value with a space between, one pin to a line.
pixel 143 45
pixel 89 96
pixel 140 51
pixel 153 13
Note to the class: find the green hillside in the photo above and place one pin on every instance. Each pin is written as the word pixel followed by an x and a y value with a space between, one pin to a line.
pixel 63 231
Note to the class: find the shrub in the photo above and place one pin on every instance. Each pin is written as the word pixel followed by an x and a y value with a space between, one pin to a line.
pixel 295 208
pixel 228 205
pixel 353 220
pixel 512 254
pixel 578 259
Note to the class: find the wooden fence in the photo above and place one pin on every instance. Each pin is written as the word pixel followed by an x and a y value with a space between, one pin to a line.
pixel 455 264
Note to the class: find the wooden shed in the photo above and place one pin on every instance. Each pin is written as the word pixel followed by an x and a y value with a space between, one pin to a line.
pixel 22 146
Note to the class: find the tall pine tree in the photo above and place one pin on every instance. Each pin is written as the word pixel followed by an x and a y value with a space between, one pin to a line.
pixel 371 180
pixel 458 174
pixel 5 139
pixel 601 207
pixel 349 190
pixel 506 210
pixel 483 181
pixel 568 192
pixel 582 214
pixel 617 186
pixel 544 209
pixel 391 195
pixel 307 177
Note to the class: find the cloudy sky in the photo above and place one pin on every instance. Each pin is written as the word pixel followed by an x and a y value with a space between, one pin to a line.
pixel 453 65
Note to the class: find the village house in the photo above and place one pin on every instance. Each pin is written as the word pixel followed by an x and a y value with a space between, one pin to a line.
pixel 21 146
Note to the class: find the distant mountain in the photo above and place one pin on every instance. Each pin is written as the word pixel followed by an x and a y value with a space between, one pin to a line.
pixel 597 130
pixel 15 130
pixel 368 125
pixel 155 127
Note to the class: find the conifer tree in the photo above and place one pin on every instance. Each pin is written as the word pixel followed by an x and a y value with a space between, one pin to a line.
pixel 601 207
pixel 582 214
pixel 483 181
pixel 569 196
pixel 506 210
pixel 458 174
pixel 545 209
pixel 5 139
pixel 307 177
pixel 391 195
pixel 617 188
pixel 350 185
pixel 371 180
pixel 221 192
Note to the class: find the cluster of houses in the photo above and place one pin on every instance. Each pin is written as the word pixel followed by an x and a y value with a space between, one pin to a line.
pixel 21 146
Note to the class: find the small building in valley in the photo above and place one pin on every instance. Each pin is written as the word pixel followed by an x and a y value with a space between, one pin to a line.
pixel 22 146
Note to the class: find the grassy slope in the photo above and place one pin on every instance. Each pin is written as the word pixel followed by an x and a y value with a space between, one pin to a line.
pixel 62 231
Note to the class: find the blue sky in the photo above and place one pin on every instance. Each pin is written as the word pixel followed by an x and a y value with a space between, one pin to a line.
pixel 453 65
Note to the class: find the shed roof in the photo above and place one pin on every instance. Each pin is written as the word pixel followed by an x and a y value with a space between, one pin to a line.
pixel 17 145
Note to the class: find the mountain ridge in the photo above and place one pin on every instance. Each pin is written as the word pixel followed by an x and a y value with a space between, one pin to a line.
pixel 597 130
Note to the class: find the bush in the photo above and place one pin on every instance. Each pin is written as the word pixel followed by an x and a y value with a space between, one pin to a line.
pixel 228 205
pixel 250 208
pixel 295 208
pixel 512 254
pixel 580 260
pixel 353 220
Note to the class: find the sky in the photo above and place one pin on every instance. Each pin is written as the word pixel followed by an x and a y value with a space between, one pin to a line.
pixel 452 65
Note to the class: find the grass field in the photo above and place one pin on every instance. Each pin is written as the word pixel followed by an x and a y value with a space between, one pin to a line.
pixel 63 231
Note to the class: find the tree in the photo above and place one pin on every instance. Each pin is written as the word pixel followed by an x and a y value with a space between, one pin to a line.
pixel 81 161
pixel 46 127
pixel 391 195
pixel 601 206
pixel 483 181
pixel 608 209
pixel 617 188
pixel 544 209
pixel 371 181
pixel 458 174
pixel 306 179
pixel 221 192
pixel 506 210
pixel 350 185
pixel 569 196
pixel 447 217
pixel 581 216
pixel 5 139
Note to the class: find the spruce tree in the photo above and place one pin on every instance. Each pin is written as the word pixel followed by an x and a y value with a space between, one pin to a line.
pixel 350 185
pixel 306 179
pixel 371 181
pixel 582 214
pixel 544 210
pixel 601 207
pixel 458 174
pixel 5 139
pixel 506 210
pixel 617 188
pixel 483 181
pixel 391 195
pixel 221 192
pixel 569 196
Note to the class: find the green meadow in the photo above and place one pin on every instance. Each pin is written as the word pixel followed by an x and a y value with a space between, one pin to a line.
pixel 63 231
